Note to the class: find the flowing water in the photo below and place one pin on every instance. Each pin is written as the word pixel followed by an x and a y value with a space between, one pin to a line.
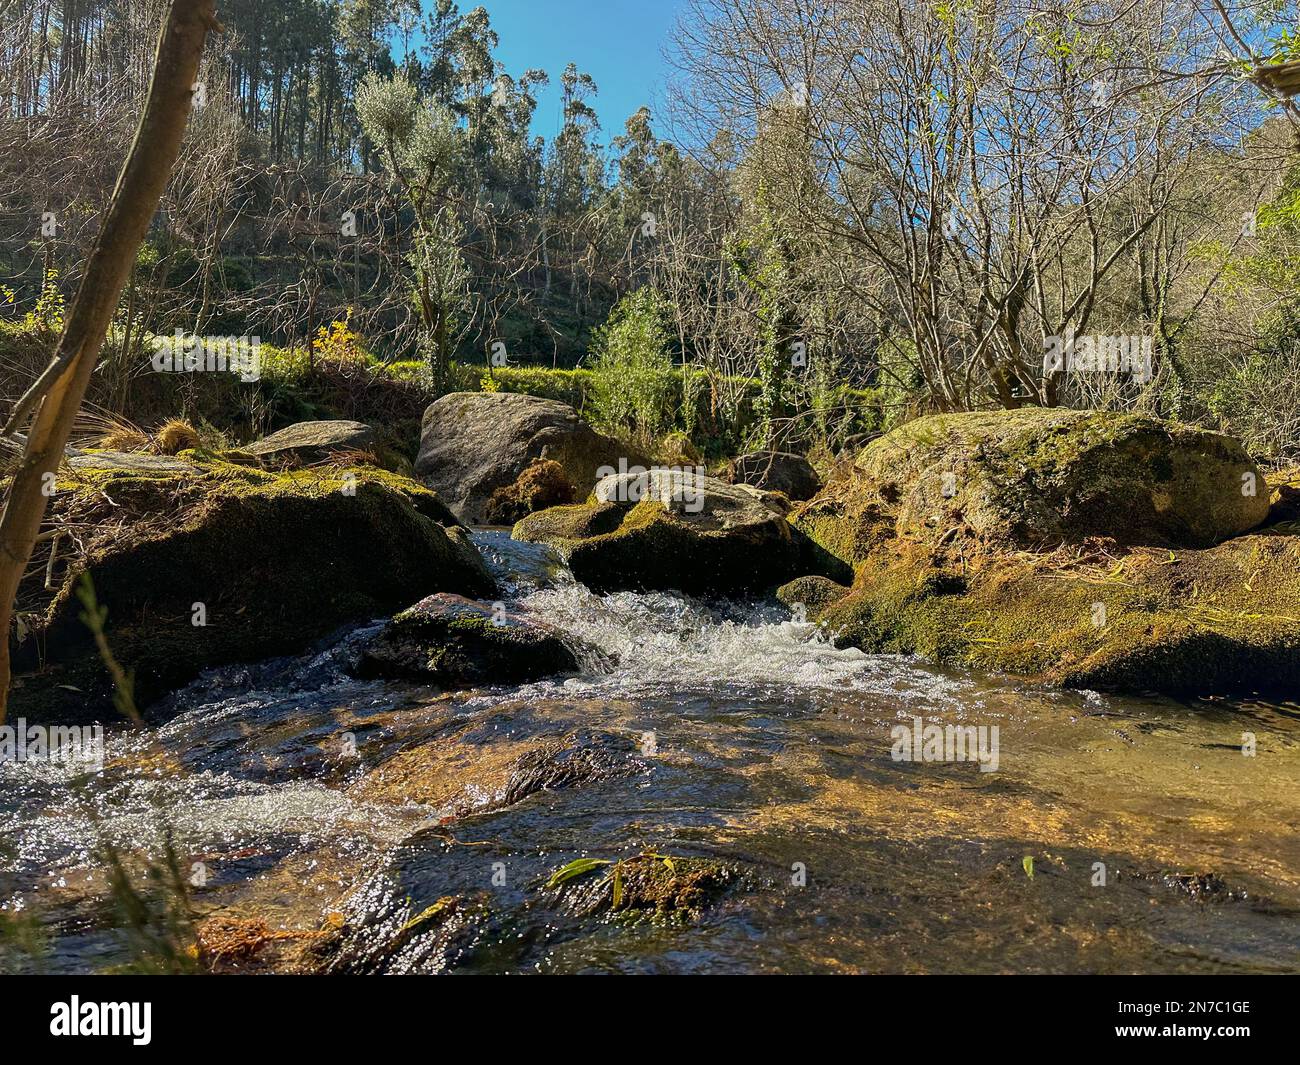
pixel 1115 834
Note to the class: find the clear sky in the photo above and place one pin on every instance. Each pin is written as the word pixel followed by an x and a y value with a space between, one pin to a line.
pixel 618 42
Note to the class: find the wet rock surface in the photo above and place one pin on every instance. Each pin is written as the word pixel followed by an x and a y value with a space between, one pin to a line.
pixel 455 642
pixel 674 529
pixel 365 826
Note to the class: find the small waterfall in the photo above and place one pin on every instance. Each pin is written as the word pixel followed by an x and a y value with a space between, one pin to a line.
pixel 652 643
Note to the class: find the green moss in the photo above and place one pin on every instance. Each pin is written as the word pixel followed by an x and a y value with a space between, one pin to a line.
pixel 1219 620
pixel 847 520
pixel 276 559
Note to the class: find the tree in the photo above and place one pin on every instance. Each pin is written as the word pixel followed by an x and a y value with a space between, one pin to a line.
pixel 58 393
pixel 420 146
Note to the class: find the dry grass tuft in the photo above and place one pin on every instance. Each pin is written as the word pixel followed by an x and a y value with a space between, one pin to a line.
pixel 174 436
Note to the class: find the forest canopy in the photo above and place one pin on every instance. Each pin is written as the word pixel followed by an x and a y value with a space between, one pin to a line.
pixel 844 213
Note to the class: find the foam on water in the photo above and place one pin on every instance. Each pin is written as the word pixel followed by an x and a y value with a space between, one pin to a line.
pixel 659 642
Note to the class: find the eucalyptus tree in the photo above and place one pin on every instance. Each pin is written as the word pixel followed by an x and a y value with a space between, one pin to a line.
pixel 420 146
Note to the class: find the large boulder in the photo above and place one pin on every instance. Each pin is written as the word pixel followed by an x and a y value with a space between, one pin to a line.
pixel 313 441
pixel 473 443
pixel 1039 477
pixel 454 642
pixel 777 471
pixel 1082 550
pixel 673 529
pixel 220 563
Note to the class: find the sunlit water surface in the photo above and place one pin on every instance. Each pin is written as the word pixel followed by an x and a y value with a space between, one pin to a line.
pixel 1156 844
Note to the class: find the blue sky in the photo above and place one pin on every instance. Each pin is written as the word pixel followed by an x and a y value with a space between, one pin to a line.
pixel 618 42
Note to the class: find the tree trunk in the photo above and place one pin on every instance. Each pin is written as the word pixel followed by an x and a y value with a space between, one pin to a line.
pixel 135 201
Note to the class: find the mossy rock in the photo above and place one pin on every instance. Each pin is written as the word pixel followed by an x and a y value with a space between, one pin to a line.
pixel 1219 620
pixel 658 888
pixel 542 484
pixel 847 519
pixel 454 642
pixel 1037 477
pixel 674 530
pixel 268 562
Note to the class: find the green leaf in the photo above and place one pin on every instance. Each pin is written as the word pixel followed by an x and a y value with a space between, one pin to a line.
pixel 575 868
pixel 429 912
pixel 1028 863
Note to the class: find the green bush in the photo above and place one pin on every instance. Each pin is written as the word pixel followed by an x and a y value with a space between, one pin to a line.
pixel 1256 398
pixel 630 391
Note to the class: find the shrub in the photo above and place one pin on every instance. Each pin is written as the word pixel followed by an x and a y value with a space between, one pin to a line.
pixel 1257 399
pixel 632 378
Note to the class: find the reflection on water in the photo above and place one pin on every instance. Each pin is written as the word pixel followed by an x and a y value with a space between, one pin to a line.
pixel 720 731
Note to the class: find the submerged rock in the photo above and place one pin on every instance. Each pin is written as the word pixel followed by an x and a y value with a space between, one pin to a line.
pixel 656 887
pixel 490 764
pixel 454 642
pixel 673 529
pixel 216 563
pixel 777 471
pixel 473 443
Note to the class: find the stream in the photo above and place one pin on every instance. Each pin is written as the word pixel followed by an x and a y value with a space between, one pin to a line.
pixel 1114 834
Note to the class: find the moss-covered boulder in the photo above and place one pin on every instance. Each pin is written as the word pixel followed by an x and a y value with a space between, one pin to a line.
pixel 473 443
pixel 542 484
pixel 1079 549
pixel 454 642
pixel 671 529
pixel 217 563
pixel 807 596
pixel 1037 477
pixel 1209 621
